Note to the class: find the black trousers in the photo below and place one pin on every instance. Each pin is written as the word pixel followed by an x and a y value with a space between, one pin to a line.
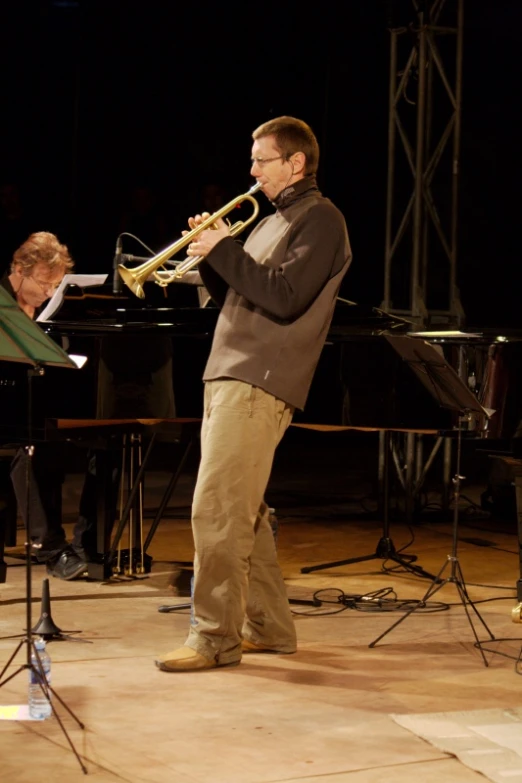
pixel 85 529
pixel 44 472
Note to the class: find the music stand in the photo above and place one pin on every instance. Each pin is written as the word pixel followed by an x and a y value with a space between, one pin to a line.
pixel 23 341
pixel 443 383
pixel 385 549
pixel 415 354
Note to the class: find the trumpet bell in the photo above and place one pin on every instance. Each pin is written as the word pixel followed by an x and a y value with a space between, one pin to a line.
pixel 132 281
pixel 135 278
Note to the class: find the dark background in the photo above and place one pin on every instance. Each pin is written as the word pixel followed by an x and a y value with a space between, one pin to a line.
pixel 106 104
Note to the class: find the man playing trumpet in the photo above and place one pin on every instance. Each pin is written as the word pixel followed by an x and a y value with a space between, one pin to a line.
pixel 277 296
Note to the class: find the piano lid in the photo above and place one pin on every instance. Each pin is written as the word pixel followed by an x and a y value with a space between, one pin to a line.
pixel 97 309
pixel 358 319
pixel 178 306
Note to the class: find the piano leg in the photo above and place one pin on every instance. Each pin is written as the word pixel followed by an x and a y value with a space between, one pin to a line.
pixel 168 492
pixel 385 548
pixel 108 467
pixel 132 514
pixel 166 608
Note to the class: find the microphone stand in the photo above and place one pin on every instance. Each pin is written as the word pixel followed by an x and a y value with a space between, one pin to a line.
pixel 116 279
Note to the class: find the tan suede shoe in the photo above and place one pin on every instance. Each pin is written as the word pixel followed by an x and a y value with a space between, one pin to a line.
pixel 185 659
pixel 250 647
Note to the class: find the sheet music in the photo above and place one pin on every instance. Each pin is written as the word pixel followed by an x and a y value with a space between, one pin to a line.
pixel 83 281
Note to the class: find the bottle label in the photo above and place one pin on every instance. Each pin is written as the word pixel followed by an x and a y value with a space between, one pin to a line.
pixel 35 677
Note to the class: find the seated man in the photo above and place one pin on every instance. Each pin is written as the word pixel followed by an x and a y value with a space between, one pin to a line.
pixel 37 268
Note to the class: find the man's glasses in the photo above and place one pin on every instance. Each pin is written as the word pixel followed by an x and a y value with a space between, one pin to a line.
pixel 263 161
pixel 45 286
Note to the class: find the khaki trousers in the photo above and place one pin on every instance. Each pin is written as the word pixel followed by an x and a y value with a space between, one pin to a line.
pixel 238 586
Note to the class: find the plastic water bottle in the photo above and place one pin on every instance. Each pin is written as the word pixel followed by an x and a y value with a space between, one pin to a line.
pixel 39 705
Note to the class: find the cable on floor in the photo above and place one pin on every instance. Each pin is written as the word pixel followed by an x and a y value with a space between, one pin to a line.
pixel 374 602
pixel 486 600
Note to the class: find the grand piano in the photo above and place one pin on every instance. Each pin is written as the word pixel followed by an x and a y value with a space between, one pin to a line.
pixel 361 380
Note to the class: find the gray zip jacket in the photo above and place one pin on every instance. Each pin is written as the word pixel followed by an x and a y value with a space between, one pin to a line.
pixel 277 294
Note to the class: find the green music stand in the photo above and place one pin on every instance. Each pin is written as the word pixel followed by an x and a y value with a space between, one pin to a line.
pixel 23 340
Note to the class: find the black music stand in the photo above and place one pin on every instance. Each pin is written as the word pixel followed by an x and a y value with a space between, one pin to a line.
pixel 385 549
pixel 435 374
pixel 21 340
pixel 443 382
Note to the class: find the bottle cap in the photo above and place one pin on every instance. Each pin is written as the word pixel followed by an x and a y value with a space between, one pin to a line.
pixel 40 644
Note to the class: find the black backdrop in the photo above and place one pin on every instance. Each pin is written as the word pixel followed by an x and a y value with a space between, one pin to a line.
pixel 101 97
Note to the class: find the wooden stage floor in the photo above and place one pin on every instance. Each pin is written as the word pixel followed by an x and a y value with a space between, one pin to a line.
pixel 326 713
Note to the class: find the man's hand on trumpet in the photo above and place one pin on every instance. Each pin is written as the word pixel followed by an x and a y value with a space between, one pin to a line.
pixel 203 243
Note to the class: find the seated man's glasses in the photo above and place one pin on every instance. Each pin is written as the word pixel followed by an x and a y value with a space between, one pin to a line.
pixel 47 287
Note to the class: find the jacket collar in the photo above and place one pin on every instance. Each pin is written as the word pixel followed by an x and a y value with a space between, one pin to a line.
pixel 303 187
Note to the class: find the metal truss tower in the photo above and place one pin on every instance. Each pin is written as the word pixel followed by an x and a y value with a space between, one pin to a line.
pixel 423 165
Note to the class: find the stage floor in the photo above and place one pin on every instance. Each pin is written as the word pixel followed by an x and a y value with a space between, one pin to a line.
pixel 326 713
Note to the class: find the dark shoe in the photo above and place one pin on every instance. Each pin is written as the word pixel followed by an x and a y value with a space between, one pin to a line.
pixel 80 552
pixel 67 565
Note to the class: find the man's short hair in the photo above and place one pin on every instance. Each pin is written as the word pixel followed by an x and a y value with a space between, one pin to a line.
pixel 292 135
pixel 41 247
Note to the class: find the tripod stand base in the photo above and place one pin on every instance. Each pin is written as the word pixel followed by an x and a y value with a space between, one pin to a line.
pixel 131 563
pixel 47 690
pixel 518 657
pixel 167 608
pixel 46 627
pixel 457 579
pixel 385 551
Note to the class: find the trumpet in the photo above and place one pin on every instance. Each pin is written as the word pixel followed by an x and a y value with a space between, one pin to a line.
pixel 135 278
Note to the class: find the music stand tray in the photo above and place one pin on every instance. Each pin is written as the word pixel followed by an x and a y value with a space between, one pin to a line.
pixel 436 375
pixel 22 340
